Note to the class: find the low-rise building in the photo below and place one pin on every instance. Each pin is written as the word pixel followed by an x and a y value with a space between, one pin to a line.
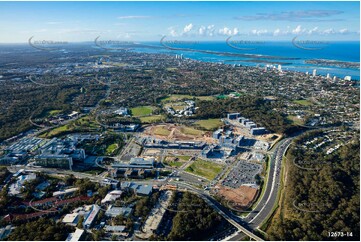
pixel 112 196
pixel 89 220
pixel 76 236
pixel 71 219
pixel 65 192
pixel 139 189
pixel 114 229
pixel 115 211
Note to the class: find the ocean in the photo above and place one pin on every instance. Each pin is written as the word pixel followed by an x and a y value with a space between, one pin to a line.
pixel 285 53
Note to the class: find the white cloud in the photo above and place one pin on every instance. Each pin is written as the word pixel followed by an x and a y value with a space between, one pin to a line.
pixel 202 30
pixel 314 30
pixel 225 31
pixel 328 31
pixel 235 31
pixel 276 32
pixel 259 31
pixel 172 32
pixel 188 28
pixel 228 31
pixel 344 31
pixel 297 30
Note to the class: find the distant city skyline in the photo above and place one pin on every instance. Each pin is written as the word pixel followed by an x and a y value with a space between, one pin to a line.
pixel 202 21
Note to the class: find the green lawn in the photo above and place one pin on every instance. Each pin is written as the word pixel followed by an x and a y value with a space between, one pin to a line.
pixel 206 169
pixel 161 131
pixel 184 157
pixel 209 124
pixel 54 112
pixel 295 120
pixel 178 97
pixel 205 98
pixel 141 111
pixel 56 131
pixel 191 131
pixel 151 119
pixel 171 69
pixel 303 102
pixel 111 148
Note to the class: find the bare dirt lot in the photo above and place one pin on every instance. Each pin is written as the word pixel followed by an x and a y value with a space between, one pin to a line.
pixel 239 198
pixel 173 132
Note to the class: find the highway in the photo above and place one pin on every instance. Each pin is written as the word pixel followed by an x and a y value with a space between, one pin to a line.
pixel 269 198
pixel 265 205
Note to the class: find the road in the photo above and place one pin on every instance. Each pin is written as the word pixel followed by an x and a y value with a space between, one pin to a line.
pixel 269 199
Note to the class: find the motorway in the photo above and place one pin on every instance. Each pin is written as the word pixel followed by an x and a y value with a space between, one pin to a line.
pixel 268 200
pixel 265 205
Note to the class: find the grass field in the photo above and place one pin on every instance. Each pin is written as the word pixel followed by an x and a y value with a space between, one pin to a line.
pixel 111 148
pixel 191 131
pixel 205 169
pixel 161 130
pixel 171 69
pixel 303 102
pixel 151 119
pixel 54 112
pixel 56 131
pixel 177 97
pixel 295 120
pixel 209 124
pixel 141 111
pixel 184 157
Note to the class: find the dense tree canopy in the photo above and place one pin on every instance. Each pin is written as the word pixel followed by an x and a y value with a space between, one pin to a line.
pixel 40 230
pixel 195 220
pixel 321 201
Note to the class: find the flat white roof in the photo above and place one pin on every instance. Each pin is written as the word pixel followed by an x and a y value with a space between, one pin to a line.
pixel 65 191
pixel 75 236
pixel 69 218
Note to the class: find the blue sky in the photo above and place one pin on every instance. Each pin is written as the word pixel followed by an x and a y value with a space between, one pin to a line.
pixel 148 21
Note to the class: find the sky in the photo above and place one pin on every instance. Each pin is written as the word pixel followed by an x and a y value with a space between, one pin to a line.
pixel 202 21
